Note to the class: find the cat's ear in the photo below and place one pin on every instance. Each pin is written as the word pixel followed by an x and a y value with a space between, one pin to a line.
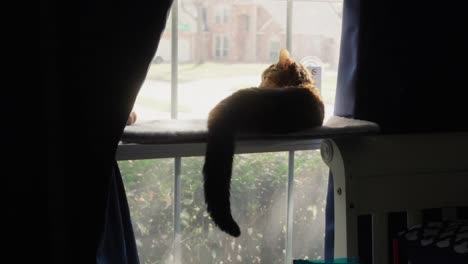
pixel 284 59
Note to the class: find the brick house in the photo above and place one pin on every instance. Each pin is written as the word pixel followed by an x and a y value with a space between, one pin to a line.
pixel 247 31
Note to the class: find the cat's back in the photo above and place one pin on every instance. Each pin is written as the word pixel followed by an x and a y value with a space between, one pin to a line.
pixel 271 109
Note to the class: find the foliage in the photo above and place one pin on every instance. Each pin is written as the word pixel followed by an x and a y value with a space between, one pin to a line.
pixel 258 196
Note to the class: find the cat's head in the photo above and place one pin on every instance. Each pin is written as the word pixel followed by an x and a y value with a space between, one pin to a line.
pixel 286 73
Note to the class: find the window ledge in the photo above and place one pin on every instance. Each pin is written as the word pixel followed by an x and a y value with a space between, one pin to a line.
pixel 195 131
pixel 184 138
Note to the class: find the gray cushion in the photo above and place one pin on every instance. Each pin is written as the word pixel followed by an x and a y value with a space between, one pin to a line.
pixel 193 131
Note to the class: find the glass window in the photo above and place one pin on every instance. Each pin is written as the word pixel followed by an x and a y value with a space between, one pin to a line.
pixel 216 58
pixel 150 195
pixel 258 197
pixel 221 49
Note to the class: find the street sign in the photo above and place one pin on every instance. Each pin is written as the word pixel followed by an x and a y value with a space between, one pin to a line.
pixel 314 65
pixel 316 72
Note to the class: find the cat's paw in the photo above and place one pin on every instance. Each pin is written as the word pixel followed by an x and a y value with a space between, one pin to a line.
pixel 132 118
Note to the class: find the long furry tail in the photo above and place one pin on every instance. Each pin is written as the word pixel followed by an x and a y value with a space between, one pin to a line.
pixel 275 110
pixel 217 176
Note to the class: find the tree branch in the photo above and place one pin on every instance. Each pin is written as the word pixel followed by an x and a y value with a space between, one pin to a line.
pixel 184 8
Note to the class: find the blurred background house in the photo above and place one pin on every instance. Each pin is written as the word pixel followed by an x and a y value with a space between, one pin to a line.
pixel 248 31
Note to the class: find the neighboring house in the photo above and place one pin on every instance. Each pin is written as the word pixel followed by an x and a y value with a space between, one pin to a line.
pixel 247 31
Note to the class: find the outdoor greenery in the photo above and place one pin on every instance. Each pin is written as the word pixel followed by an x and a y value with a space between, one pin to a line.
pixel 259 195
pixel 258 190
pixel 191 71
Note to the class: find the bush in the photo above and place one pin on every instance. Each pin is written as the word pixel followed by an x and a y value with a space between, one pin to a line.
pixel 258 196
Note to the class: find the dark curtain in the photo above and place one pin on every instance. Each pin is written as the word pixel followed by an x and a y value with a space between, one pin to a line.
pixel 403 65
pixel 94 58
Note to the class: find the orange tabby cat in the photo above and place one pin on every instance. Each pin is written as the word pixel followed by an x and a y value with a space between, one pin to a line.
pixel 286 101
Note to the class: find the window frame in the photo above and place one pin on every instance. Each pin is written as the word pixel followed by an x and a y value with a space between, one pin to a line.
pixel 221 51
pixel 178 151
pixel 222 14
pixel 127 151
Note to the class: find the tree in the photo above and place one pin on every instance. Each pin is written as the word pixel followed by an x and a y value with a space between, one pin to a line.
pixel 196 9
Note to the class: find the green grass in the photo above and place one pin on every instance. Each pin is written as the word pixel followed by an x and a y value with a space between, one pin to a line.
pixel 160 105
pixel 329 87
pixel 192 72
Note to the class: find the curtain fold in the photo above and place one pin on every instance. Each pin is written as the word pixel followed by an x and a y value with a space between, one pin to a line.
pixel 403 64
pixel 117 244
pixel 345 99
pixel 329 244
pixel 96 55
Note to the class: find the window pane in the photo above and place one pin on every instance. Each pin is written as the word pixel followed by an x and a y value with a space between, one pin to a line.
pixel 149 188
pixel 226 15
pixel 316 39
pixel 226 43
pixel 310 190
pixel 244 54
pixel 258 199
pixel 217 58
pixel 274 50
pixel 218 42
pixel 225 47
pixel 244 22
pixel 154 99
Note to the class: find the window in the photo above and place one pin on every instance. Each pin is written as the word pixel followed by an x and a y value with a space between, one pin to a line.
pixel 221 47
pixel 218 17
pixel 259 202
pixel 245 22
pixel 222 55
pixel 274 49
pixel 222 15
pixel 212 64
pixel 225 15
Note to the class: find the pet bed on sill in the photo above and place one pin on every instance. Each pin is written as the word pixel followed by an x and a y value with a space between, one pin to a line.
pixel 194 131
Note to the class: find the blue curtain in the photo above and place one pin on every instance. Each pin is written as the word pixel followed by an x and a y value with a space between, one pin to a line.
pixel 403 65
pixel 95 55
pixel 117 243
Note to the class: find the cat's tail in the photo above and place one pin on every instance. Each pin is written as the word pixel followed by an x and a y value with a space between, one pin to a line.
pixel 217 173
